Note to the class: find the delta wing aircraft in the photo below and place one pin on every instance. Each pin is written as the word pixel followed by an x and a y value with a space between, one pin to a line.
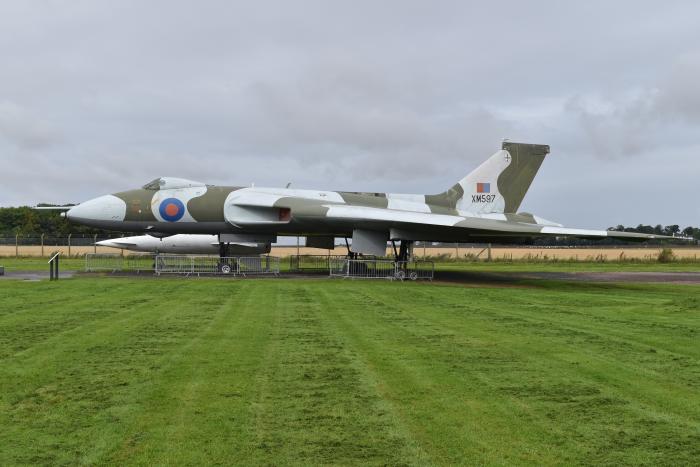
pixel 481 207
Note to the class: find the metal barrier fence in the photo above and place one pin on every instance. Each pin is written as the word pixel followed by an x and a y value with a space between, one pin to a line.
pixel 415 270
pixel 116 262
pixel 197 265
pixel 382 269
pixel 312 263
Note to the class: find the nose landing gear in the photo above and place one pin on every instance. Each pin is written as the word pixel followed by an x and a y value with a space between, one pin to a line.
pixel 224 265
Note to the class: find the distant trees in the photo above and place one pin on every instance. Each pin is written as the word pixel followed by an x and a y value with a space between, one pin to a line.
pixel 659 229
pixel 669 230
pixel 692 232
pixel 27 221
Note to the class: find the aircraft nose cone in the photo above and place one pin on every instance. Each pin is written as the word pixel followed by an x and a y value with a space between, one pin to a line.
pixel 106 208
pixel 109 243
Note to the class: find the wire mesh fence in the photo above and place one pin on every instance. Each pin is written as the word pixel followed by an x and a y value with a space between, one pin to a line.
pixel 54 240
pixel 70 245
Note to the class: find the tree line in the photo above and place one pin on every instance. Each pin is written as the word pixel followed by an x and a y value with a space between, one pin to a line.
pixel 668 230
pixel 26 221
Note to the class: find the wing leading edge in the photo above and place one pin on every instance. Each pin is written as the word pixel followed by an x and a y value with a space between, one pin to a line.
pixel 442 227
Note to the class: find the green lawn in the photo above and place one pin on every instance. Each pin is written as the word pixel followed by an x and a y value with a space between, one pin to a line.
pixel 566 266
pixel 40 264
pixel 319 371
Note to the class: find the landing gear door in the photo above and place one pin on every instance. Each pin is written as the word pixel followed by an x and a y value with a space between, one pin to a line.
pixel 369 242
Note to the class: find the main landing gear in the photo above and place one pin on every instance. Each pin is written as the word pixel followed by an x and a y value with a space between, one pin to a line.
pixel 351 255
pixel 401 255
pixel 404 252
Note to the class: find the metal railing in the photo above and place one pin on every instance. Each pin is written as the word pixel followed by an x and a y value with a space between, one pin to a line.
pixel 312 263
pixel 382 269
pixel 96 262
pixel 214 265
pixel 415 270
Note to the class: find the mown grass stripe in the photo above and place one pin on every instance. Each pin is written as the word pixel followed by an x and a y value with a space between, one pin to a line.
pixel 349 372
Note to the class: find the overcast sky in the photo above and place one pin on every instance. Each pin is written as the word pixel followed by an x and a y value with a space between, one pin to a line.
pixel 402 96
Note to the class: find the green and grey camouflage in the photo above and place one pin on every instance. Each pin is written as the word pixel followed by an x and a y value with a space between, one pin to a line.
pixel 481 207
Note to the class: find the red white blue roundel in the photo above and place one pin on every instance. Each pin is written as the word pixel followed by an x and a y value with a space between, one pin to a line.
pixel 171 209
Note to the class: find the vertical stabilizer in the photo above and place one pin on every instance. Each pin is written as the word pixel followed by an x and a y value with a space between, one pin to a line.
pixel 499 184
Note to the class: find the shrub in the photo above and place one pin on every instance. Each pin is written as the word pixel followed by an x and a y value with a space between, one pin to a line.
pixel 666 256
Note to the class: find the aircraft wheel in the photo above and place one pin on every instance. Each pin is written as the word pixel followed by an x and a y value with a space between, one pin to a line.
pixel 400 274
pixel 225 269
pixel 413 276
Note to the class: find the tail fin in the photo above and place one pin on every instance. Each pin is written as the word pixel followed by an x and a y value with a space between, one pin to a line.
pixel 499 184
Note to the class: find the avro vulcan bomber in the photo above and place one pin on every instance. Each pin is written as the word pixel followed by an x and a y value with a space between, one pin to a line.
pixel 481 207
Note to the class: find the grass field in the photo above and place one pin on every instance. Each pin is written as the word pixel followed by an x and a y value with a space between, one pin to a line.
pixel 565 266
pixel 123 371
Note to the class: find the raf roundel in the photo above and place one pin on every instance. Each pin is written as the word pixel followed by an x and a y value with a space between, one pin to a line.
pixel 172 209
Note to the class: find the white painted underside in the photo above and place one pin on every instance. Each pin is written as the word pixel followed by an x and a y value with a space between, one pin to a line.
pixel 267 197
pixel 574 232
pixel 407 202
pixel 390 215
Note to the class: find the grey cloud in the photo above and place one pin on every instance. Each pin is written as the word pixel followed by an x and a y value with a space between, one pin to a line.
pixel 614 128
pixel 679 94
pixel 19 127
pixel 402 96
pixel 644 119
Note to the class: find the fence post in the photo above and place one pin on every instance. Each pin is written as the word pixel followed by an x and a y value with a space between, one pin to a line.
pixel 456 250
pixel 42 245
pixel 16 245
pixel 489 257
pixel 53 267
pixel 94 242
pixel 69 235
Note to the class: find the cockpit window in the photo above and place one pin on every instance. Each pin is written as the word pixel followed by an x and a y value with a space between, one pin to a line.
pixel 168 183
pixel 153 185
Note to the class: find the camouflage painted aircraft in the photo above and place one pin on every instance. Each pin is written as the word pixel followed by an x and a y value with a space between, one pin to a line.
pixel 481 207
